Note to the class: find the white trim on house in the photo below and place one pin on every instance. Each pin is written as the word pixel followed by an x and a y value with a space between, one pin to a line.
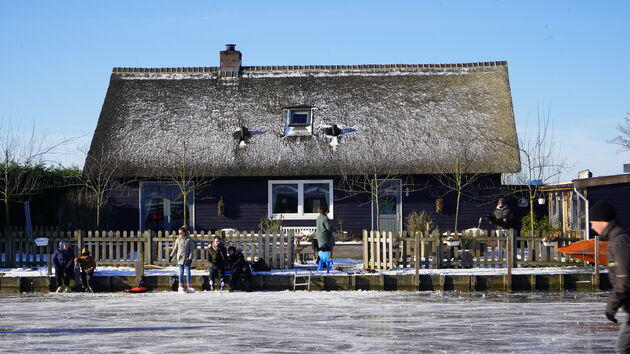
pixel 300 215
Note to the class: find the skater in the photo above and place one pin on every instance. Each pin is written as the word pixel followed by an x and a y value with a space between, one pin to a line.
pixel 603 222
pixel 63 261
pixel 183 249
pixel 218 259
pixel 239 267
pixel 87 268
pixel 324 233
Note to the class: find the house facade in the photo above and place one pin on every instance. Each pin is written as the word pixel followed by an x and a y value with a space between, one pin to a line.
pixel 280 142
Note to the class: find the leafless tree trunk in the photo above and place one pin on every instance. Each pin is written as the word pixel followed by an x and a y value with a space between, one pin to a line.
pixel 623 139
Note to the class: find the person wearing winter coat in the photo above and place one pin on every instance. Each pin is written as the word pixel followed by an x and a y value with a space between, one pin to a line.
pixel 217 257
pixel 324 231
pixel 87 268
pixel 63 262
pixel 603 221
pixel 501 216
pixel 183 250
pixel 240 267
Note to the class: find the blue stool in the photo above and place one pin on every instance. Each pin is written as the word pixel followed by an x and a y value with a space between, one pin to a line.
pixel 324 259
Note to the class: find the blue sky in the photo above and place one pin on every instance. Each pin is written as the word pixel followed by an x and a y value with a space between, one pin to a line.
pixel 568 58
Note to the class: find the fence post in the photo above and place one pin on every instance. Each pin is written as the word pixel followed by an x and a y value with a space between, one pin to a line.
pixel 78 235
pixel 148 256
pixel 416 253
pixel 365 249
pixel 139 268
pixel 596 275
pixel 510 253
pixel 10 248
pixel 391 250
pixel 291 253
pixel 438 249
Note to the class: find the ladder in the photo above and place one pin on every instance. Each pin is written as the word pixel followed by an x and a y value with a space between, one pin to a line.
pixel 302 280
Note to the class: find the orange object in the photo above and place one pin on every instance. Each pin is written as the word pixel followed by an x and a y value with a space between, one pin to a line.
pixel 585 250
pixel 137 289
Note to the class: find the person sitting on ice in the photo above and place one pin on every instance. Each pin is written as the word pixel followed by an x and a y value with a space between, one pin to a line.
pixel 63 262
pixel 87 268
pixel 217 256
pixel 184 250
pixel 239 267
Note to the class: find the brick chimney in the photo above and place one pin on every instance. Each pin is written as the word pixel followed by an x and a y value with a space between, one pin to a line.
pixel 230 59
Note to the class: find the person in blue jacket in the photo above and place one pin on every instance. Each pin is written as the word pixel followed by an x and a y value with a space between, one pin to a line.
pixel 63 261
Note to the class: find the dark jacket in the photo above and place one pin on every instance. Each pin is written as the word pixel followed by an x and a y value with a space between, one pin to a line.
pixel 217 257
pixel 618 256
pixel 238 263
pixel 324 233
pixel 64 259
pixel 497 216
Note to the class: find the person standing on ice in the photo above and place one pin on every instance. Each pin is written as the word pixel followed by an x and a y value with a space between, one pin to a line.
pixel 217 256
pixel 63 262
pixel 184 249
pixel 603 221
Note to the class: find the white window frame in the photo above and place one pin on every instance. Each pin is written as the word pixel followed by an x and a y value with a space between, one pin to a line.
pixel 298 129
pixel 191 210
pixel 300 215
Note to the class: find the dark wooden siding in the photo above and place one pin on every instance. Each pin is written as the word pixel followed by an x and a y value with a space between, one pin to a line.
pixel 616 194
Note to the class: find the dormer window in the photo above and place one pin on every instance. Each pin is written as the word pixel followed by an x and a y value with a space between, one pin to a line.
pixel 299 122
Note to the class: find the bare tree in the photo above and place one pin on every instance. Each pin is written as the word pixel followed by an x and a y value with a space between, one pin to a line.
pixel 185 167
pixel 623 139
pixel 24 156
pixel 539 165
pixel 457 174
pixel 99 179
pixel 373 181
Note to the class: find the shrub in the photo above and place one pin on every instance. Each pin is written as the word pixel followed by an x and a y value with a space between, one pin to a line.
pixel 270 226
pixel 419 221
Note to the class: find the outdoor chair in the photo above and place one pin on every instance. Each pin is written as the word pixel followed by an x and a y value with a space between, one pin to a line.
pixel 325 260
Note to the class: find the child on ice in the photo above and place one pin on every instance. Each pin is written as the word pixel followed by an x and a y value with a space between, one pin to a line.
pixel 63 262
pixel 184 248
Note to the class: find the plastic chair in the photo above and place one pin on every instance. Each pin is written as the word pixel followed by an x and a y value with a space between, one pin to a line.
pixel 324 259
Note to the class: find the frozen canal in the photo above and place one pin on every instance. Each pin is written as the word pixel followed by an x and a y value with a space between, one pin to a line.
pixel 303 322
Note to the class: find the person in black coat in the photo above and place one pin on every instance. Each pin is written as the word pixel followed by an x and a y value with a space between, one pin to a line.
pixel 63 262
pixel 501 216
pixel 240 267
pixel 217 256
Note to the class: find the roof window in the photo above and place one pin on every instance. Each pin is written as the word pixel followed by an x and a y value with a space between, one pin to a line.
pixel 299 122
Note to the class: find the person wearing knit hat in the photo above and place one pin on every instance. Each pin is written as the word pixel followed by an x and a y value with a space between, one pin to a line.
pixel 603 221
pixel 87 266
pixel 63 262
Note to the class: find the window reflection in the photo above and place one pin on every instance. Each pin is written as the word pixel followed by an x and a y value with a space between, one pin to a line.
pixel 316 195
pixel 285 198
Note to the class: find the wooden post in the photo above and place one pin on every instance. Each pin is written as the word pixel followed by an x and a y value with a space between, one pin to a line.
pixel 509 250
pixel 365 250
pixel 148 247
pixel 391 250
pixel 49 256
pixel 438 249
pixel 139 267
pixel 291 251
pixel 10 248
pixel 416 253
pixel 596 275
pixel 78 235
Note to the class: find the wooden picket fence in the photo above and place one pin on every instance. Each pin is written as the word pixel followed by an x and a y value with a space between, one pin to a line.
pixel 122 248
pixel 385 250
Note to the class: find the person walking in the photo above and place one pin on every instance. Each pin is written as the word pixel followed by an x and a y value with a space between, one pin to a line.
pixel 63 262
pixel 217 257
pixel 87 266
pixel 183 249
pixel 603 221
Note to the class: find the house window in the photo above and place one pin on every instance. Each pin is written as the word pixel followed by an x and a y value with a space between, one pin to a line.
pixel 299 199
pixel 298 122
pixel 162 207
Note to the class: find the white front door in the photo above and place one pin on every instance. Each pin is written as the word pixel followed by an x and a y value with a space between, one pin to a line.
pixel 387 206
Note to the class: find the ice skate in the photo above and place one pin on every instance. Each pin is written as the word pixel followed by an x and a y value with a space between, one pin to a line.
pixel 67 289
pixel 181 289
pixel 221 286
pixel 211 285
pixel 190 289
pixel 59 289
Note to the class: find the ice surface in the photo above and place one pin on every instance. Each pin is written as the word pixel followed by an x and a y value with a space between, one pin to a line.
pixel 313 322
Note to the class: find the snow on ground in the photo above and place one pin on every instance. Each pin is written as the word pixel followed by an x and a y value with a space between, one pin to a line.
pixel 312 322
pixel 348 266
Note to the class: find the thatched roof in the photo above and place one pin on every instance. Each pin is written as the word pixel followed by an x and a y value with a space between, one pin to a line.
pixel 406 119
